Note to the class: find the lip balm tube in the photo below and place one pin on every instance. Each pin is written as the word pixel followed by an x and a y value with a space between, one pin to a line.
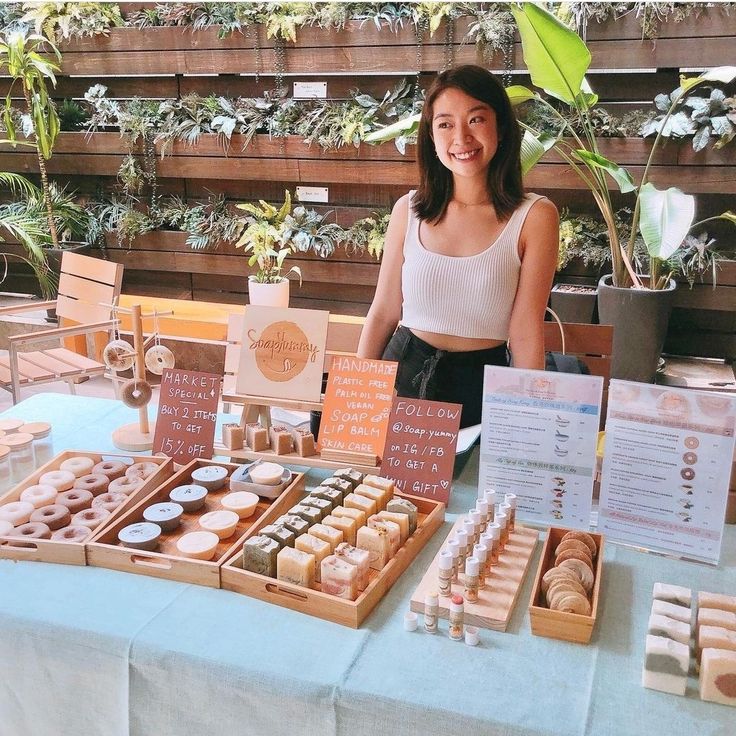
pixel 462 537
pixel 480 552
pixel 481 506
pixel 469 528
pixel 431 609
pixel 453 546
pixel 472 580
pixel 505 508
pixel 503 520
pixel 445 572
pixel 477 518
pixel 491 497
pixel 455 630
pixel 494 532
pixel 511 501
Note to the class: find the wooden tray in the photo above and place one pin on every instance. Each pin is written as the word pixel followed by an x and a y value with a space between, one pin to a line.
pixel 497 600
pixel 73 553
pixel 314 602
pixel 558 624
pixel 104 550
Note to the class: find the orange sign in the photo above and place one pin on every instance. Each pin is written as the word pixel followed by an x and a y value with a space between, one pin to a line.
pixel 357 405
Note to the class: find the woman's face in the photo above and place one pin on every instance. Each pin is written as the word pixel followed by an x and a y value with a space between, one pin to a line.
pixel 464 133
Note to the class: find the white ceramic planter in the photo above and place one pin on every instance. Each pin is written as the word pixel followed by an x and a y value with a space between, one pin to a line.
pixel 268 295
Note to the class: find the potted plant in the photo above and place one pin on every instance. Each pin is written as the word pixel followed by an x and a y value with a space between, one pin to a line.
pixel 267 238
pixel 638 305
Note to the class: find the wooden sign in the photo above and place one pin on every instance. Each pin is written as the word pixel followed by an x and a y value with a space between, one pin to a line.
pixel 283 353
pixel 357 405
pixel 187 412
pixel 420 447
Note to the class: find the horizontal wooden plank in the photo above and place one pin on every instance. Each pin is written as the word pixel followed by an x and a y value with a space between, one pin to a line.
pixel 702 344
pixel 714 21
pixel 706 297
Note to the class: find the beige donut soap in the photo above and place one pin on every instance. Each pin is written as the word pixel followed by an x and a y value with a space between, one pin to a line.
pixel 17 512
pixel 62 480
pixel 39 495
pixel 79 465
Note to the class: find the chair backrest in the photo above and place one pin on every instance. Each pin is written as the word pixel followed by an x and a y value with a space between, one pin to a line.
pixel 593 344
pixel 87 288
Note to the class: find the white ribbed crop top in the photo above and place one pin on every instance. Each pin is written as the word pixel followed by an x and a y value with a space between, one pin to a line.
pixel 466 296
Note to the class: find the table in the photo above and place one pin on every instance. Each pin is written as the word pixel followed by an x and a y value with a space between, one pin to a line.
pixel 92 651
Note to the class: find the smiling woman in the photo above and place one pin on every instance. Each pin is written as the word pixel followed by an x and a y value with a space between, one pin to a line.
pixel 469 258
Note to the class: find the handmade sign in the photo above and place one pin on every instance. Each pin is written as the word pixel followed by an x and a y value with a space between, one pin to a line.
pixel 538 440
pixel 666 468
pixel 187 412
pixel 420 447
pixel 357 405
pixel 283 353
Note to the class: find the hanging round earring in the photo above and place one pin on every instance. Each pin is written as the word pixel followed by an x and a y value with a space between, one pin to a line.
pixel 118 354
pixel 158 356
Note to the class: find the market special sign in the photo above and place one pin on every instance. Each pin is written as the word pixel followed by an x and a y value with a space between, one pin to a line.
pixel 283 353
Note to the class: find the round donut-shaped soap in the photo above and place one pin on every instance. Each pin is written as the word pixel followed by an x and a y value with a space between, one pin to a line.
pixel 190 497
pixel 32 530
pixel 71 534
pixel 5 528
pixel 75 500
pixel 95 483
pixel 198 545
pixel 212 477
pixel 136 393
pixel 118 355
pixel 157 358
pixel 124 485
pixel 574 554
pixel 39 495
pixel 79 465
pixel 166 515
pixel 62 480
pixel 222 523
pixel 573 544
pixel 111 468
pixel 583 572
pixel 243 503
pixel 109 501
pixel 142 535
pixel 55 516
pixel 91 518
pixel 585 538
pixel 141 471
pixel 17 512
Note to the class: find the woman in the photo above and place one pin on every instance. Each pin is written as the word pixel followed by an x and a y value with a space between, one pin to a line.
pixel 469 259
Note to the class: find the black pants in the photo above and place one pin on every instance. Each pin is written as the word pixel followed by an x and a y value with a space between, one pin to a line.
pixel 428 373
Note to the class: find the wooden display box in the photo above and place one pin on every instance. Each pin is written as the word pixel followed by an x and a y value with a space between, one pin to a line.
pixel 74 553
pixel 314 602
pixel 558 624
pixel 104 550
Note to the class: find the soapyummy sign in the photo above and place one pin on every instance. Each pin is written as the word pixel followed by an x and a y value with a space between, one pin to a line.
pixel 357 405
pixel 420 447
pixel 283 353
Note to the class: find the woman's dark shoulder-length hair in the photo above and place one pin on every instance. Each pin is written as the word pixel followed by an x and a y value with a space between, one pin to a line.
pixel 504 181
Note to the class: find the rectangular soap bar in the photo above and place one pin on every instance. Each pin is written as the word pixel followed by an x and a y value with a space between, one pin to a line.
pixel 279 533
pixel 256 437
pixel 345 524
pixel 403 506
pixel 352 476
pixel 304 442
pixel 362 503
pixel 715 617
pixel 392 529
pixel 334 496
pixel 666 665
pixel 672 610
pixel 356 515
pixel 293 523
pixel 329 534
pixel 339 484
pixel 384 484
pixel 376 494
pixel 233 436
pixel 718 676
pixel 339 578
pixel 314 546
pixel 669 627
pixel 672 594
pixel 310 514
pixel 295 566
pixel 377 544
pixel 259 555
pixel 715 637
pixel 717 600
pixel 281 441
pixel 322 504
pixel 358 557
pixel 401 519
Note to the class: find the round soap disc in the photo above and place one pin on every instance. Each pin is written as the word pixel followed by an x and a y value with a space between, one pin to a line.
pixel 222 523
pixel 243 503
pixel 191 497
pixel 198 545
pixel 167 515
pixel 211 477
pixel 267 474
pixel 142 535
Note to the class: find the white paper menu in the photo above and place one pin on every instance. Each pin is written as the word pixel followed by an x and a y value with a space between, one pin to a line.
pixel 538 440
pixel 666 468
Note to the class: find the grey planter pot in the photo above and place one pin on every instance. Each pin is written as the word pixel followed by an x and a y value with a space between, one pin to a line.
pixel 574 306
pixel 639 318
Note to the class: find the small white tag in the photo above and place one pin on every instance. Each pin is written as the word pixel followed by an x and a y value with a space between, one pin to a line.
pixel 310 90
pixel 313 194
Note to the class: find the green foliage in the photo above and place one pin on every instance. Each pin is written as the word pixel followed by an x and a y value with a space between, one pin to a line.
pixel 72 115
pixel 61 21
pixel 369 234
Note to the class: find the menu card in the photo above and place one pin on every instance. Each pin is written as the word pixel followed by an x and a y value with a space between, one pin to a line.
pixel 420 447
pixel 187 412
pixel 538 440
pixel 666 468
pixel 357 405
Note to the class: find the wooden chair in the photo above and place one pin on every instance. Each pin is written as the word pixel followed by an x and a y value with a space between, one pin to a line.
pixel 87 289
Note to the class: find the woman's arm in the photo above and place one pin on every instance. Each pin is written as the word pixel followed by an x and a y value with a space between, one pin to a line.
pixel 538 245
pixel 385 311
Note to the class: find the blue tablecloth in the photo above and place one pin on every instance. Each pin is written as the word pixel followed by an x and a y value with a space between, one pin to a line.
pixel 98 652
